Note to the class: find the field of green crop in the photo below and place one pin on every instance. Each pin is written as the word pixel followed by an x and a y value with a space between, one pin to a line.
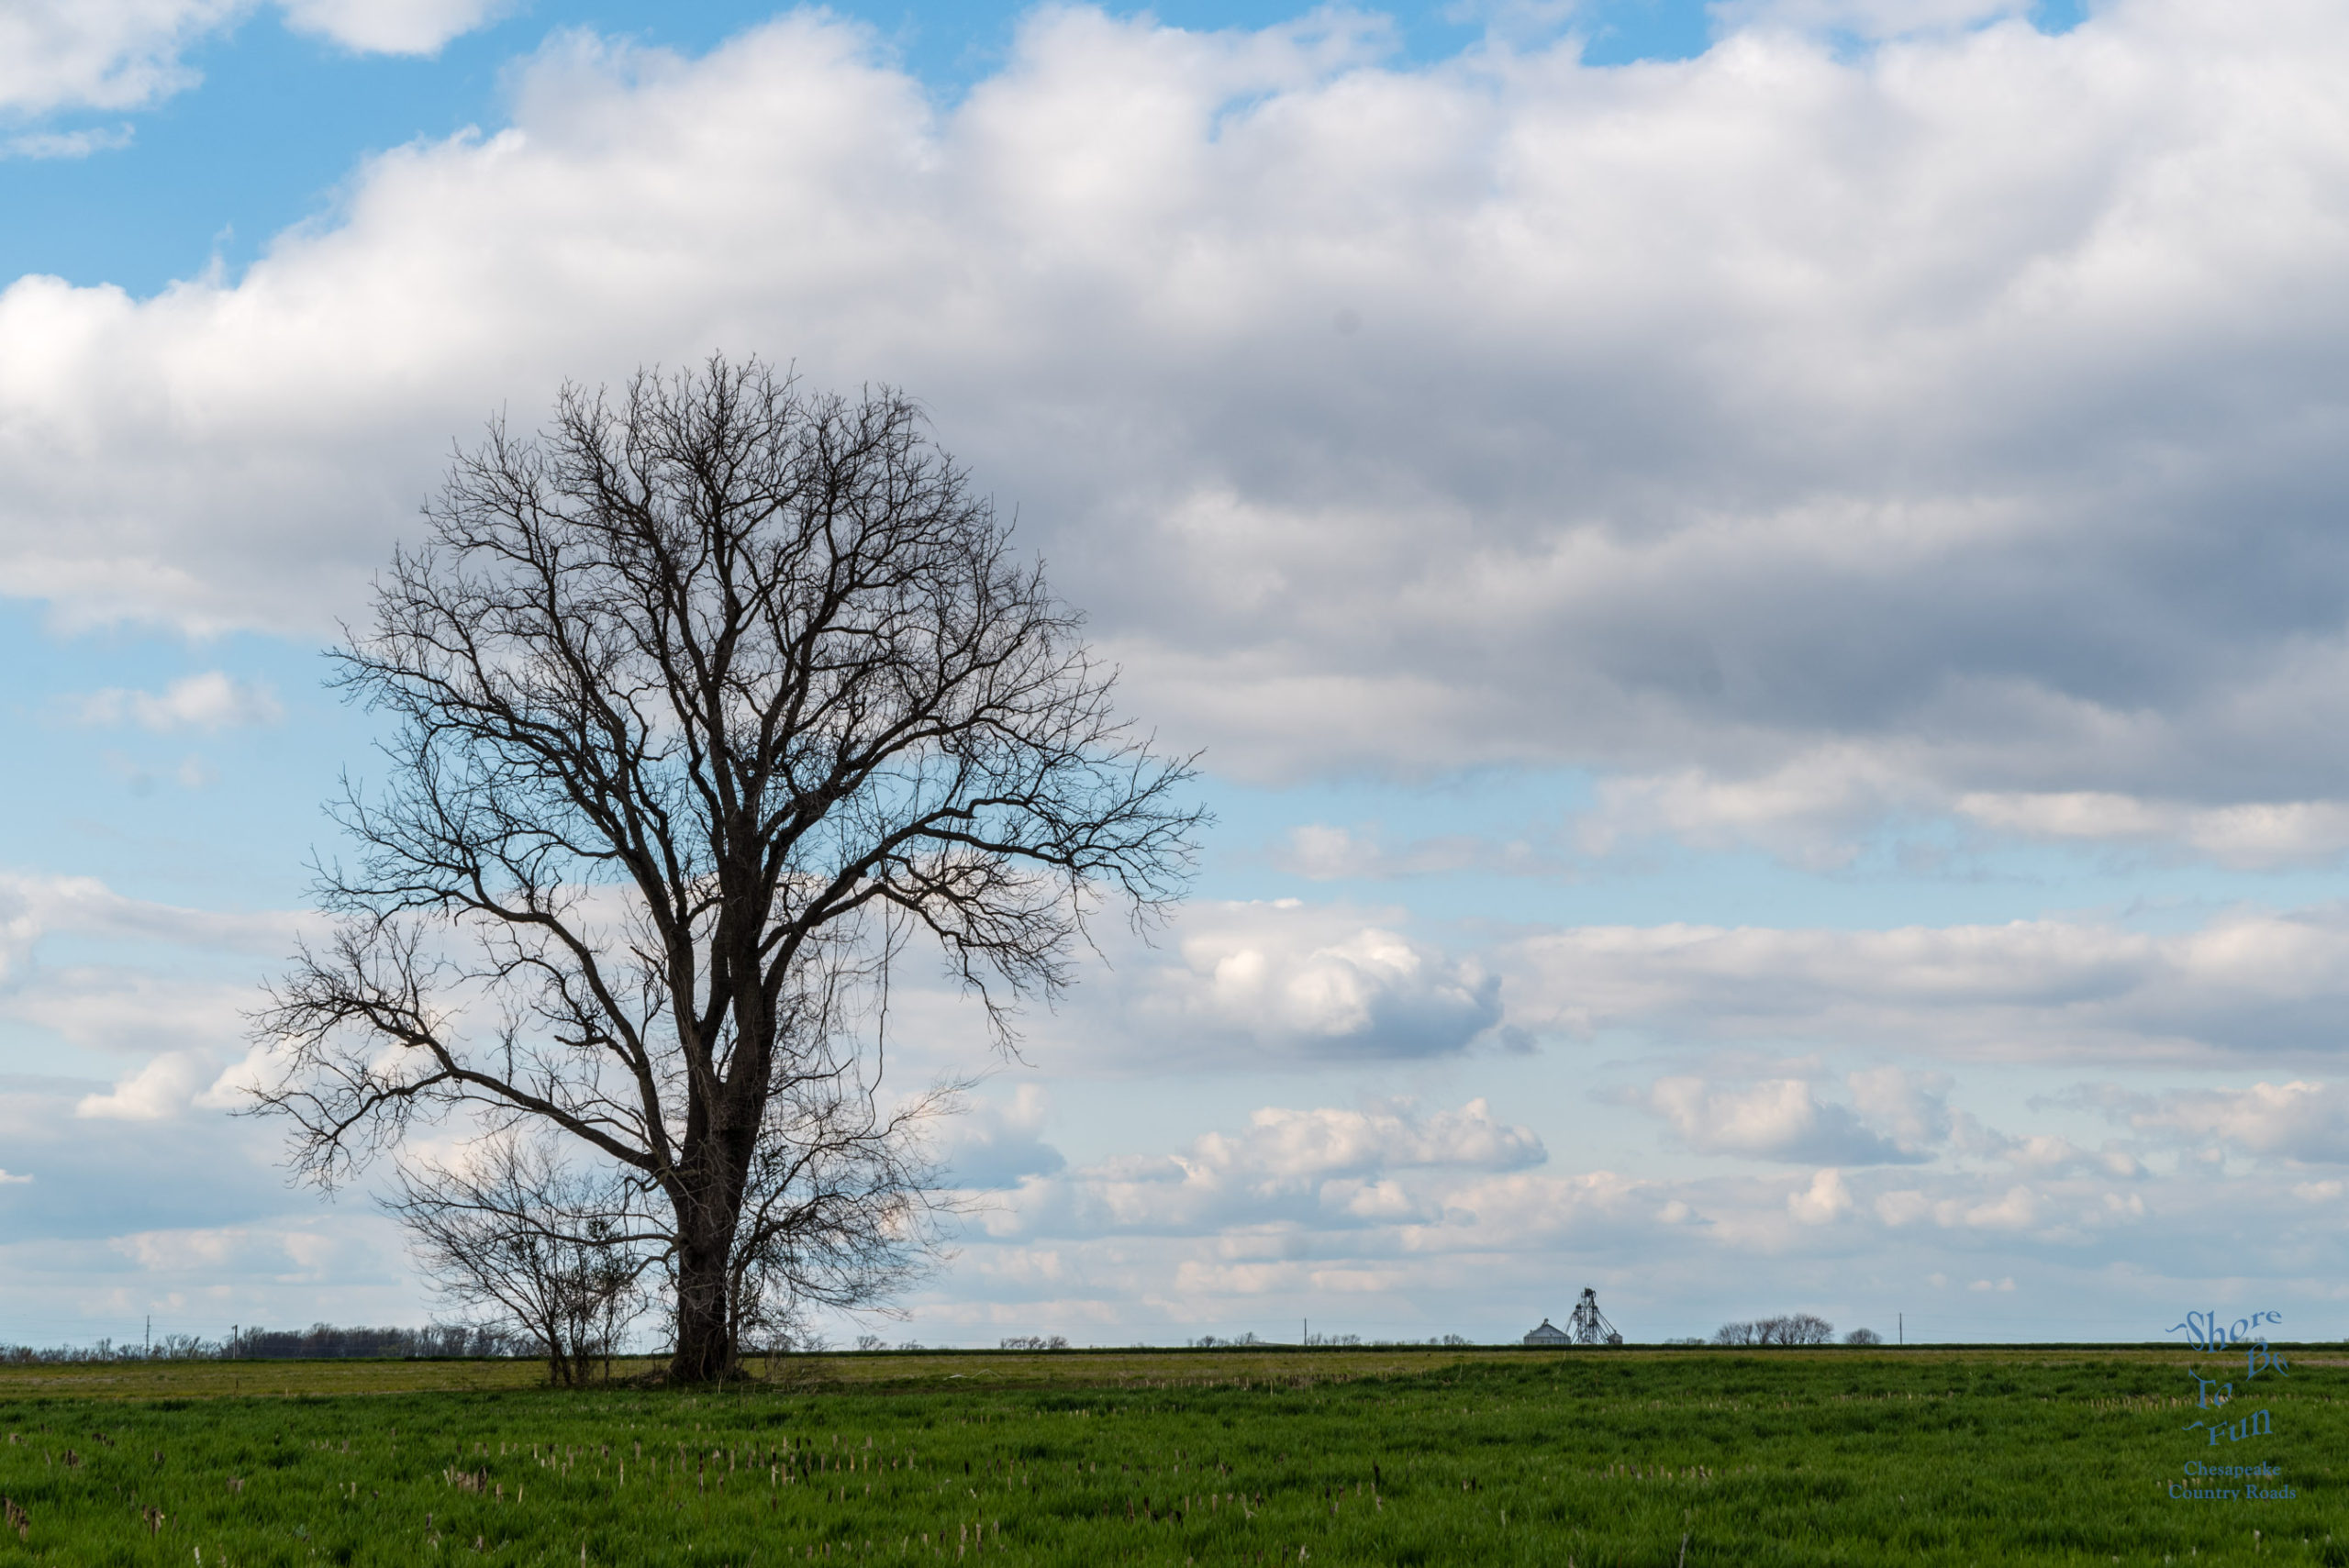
pixel 1566 1457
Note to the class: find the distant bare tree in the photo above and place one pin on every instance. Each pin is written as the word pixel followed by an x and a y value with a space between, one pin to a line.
pixel 1791 1329
pixel 704 704
pixel 1795 1328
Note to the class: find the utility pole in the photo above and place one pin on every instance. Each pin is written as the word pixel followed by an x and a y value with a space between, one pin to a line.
pixel 151 1335
pixel 1900 1328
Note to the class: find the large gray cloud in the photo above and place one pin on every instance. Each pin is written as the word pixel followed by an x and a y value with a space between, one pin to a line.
pixel 1277 985
pixel 2300 1122
pixel 1799 434
pixel 2247 985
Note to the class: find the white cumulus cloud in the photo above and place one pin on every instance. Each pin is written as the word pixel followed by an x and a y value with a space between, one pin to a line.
pixel 1297 980
pixel 1280 1144
pixel 391 26
pixel 209 701
pixel 1324 1166
pixel 66 143
pixel 117 54
pixel 1774 1120
pixel 164 1087
pixel 993 1143
pixel 1825 1200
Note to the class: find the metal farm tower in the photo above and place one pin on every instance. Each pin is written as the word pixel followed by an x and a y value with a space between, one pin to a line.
pixel 1587 1324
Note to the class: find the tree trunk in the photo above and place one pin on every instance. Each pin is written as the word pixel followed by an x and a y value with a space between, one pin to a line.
pixel 706 1349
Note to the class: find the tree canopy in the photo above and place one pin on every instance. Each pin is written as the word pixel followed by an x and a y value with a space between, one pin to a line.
pixel 706 704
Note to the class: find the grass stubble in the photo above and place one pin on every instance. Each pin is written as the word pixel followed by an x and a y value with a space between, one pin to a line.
pixel 1582 1457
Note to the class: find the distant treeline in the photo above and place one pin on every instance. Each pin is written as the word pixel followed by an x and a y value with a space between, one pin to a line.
pixel 319 1341
pixel 1792 1329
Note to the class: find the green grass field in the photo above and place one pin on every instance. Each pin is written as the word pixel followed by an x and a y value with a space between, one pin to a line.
pixel 1586 1458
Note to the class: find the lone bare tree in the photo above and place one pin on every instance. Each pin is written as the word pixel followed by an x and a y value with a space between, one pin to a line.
pixel 705 704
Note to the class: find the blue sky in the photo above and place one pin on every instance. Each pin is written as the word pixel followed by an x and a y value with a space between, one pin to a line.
pixel 1760 586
